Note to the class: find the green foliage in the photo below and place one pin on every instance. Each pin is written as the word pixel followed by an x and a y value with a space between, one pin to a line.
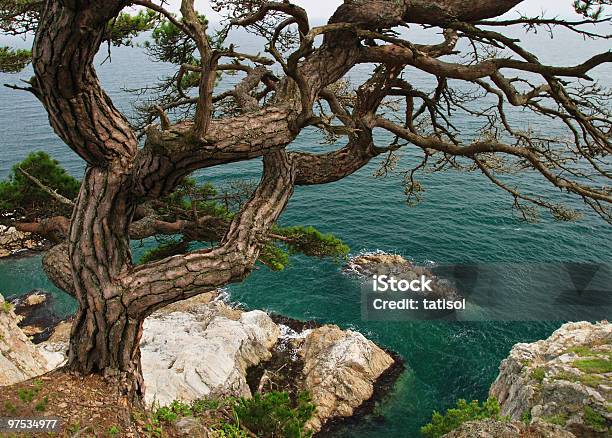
pixel 311 242
pixel 199 406
pixel 174 411
pixel 10 407
pixel 170 44
pixel 558 419
pixel 6 307
pixel 228 430
pixel 584 351
pixel 274 257
pixel 14 60
pixel 526 417
pixel 455 417
pixel 273 414
pixel 19 192
pixel 125 27
pixel 166 248
pixel 597 365
pixel 593 9
pixel 113 431
pixel 165 413
pixel 42 404
pixel 538 374
pixel 26 395
pixel 594 419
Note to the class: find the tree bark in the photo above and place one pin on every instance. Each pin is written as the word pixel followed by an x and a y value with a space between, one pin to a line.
pixel 95 264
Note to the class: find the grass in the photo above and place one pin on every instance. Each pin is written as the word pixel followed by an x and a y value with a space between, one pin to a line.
pixel 538 374
pixel 42 404
pixel 584 351
pixel 10 407
pixel 597 366
pixel 558 419
pixel 594 419
pixel 6 307
pixel 586 379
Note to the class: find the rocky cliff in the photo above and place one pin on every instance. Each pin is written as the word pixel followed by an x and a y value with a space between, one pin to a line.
pixel 204 348
pixel 565 379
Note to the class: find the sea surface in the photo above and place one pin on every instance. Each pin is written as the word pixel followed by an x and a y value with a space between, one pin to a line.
pixel 463 219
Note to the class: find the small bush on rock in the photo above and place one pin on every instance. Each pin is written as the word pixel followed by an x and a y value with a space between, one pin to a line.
pixel 455 417
pixel 273 414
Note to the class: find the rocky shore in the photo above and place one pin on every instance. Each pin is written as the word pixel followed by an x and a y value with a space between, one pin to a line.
pixel 17 243
pixel 203 348
pixel 559 387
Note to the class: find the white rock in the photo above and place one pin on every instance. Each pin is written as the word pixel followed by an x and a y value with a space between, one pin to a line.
pixel 197 355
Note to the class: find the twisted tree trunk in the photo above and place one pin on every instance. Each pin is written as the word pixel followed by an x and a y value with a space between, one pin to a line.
pixel 95 264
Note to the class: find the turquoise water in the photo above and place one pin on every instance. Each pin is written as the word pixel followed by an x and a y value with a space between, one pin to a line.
pixel 463 219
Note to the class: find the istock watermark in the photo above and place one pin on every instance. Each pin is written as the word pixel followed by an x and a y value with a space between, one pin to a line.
pixel 386 283
pixel 491 292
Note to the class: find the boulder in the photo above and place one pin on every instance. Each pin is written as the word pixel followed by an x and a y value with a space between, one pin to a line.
pixel 565 379
pixel 340 370
pixel 19 359
pixel 203 353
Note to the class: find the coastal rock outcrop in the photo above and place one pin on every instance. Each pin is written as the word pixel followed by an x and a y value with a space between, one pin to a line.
pixel 565 379
pixel 204 348
pixel 13 241
pixel 36 315
pixel 508 429
pixel 381 263
pixel 340 369
pixel 19 359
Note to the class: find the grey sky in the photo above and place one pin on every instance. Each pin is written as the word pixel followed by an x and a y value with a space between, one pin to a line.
pixel 320 9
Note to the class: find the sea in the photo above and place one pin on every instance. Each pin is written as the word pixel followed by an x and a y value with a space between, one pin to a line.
pixel 462 220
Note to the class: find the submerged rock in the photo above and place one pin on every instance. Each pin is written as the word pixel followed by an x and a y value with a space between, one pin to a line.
pixel 393 265
pixel 19 359
pixel 565 379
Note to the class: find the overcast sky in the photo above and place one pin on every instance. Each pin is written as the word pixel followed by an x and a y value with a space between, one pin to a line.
pixel 322 9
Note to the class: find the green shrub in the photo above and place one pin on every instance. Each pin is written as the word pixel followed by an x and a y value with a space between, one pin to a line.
pixel 455 417
pixel 228 430
pixel 42 404
pixel 203 405
pixel 6 307
pixel 273 414
pixel 10 407
pixel 526 417
pixel 165 413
